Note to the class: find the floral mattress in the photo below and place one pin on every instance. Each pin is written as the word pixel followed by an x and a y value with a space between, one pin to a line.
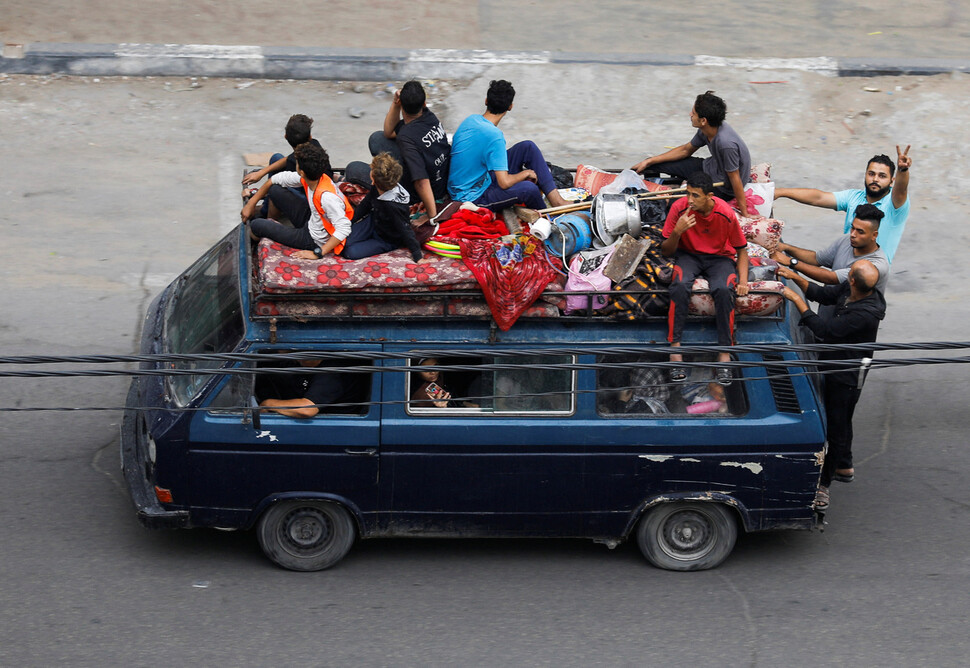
pixel 290 286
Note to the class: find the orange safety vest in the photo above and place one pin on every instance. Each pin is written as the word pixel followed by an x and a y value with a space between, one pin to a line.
pixel 326 184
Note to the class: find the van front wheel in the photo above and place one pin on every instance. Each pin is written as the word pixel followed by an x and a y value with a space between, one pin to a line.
pixel 306 535
pixel 687 536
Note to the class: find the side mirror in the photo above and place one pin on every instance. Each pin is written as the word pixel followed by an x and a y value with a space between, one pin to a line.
pixel 254 413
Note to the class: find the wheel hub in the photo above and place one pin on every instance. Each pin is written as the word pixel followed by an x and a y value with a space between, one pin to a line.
pixel 305 529
pixel 687 535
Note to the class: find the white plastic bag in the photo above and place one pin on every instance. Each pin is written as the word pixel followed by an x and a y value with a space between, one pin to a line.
pixel 625 179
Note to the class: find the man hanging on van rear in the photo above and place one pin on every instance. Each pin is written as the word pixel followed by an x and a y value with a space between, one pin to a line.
pixel 703 235
pixel 857 308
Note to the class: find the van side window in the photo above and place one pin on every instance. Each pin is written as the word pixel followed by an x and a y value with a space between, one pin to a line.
pixel 339 393
pixel 646 392
pixel 234 395
pixel 523 389
pixel 530 389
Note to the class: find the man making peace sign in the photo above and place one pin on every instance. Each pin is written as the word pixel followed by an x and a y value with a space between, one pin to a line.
pixel 885 187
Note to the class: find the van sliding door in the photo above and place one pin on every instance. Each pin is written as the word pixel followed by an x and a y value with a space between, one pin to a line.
pixel 495 460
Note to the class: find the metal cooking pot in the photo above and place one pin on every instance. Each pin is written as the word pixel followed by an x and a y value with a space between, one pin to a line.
pixel 615 215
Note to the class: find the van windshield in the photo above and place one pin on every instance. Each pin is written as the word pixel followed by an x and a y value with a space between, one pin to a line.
pixel 204 315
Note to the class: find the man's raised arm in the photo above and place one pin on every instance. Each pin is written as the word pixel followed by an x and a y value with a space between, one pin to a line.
pixel 901 184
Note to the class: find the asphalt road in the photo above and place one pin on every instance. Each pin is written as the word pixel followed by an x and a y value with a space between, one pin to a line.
pixel 114 186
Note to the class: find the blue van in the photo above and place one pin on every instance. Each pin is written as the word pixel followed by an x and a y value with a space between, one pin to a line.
pixel 557 427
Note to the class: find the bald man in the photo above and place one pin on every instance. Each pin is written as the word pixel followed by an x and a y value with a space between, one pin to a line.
pixel 859 307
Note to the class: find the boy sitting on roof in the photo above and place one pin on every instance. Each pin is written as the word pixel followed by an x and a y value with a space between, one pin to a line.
pixel 382 220
pixel 484 172
pixel 703 235
pixel 297 132
pixel 321 218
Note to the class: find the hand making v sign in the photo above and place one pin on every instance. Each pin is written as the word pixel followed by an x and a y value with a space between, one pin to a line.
pixel 903 161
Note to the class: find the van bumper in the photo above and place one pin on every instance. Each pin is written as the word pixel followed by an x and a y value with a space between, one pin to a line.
pixel 134 464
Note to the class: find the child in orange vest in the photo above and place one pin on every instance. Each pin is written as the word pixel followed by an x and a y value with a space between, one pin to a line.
pixel 321 219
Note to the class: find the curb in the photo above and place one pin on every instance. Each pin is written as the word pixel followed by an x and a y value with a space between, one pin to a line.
pixel 392 64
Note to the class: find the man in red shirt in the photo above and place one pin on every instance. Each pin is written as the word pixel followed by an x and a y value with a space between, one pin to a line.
pixel 705 238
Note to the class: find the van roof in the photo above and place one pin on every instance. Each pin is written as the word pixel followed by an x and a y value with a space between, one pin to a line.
pixel 298 315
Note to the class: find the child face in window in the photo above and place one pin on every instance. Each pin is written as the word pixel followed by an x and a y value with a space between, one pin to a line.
pixel 429 376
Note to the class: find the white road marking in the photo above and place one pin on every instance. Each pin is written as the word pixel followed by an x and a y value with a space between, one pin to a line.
pixel 821 65
pixel 479 56
pixel 211 51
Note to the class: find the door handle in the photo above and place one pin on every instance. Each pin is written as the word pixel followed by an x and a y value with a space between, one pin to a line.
pixel 366 452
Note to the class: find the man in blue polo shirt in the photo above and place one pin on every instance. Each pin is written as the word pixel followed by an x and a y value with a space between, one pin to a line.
pixel 887 190
pixel 484 172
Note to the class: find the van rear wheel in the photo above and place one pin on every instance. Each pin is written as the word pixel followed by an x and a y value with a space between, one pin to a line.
pixel 306 535
pixel 687 536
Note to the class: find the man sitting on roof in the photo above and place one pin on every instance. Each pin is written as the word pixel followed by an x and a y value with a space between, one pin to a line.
pixel 321 217
pixel 296 132
pixel 483 172
pixel 729 163
pixel 705 238
pixel 415 137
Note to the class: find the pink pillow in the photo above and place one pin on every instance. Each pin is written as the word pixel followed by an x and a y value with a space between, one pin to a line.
pixel 749 304
pixel 761 172
pixel 765 232
pixel 592 179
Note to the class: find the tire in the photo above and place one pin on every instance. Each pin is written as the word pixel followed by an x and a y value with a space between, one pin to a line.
pixel 687 536
pixel 306 535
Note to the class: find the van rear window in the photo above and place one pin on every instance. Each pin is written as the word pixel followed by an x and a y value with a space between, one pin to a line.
pixel 480 385
pixel 646 391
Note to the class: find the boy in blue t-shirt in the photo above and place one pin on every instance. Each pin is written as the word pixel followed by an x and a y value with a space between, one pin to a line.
pixel 483 172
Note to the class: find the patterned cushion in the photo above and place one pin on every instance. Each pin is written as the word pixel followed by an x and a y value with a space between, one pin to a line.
pixel 761 173
pixel 749 304
pixel 279 273
pixel 593 178
pixel 765 232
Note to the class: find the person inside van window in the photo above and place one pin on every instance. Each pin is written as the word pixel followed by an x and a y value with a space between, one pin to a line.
pixel 304 395
pixel 430 393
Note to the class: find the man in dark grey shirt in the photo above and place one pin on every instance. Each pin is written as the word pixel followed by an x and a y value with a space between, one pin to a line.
pixel 730 161
pixel 831 264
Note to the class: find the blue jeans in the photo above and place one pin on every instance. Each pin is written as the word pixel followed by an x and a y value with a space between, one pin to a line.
pixel 522 156
pixel 364 242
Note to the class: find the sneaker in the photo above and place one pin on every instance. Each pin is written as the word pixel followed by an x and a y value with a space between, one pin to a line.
pixel 723 376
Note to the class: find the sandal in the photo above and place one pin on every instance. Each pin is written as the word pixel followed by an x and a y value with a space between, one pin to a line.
pixel 723 376
pixel 678 374
pixel 847 476
pixel 822 498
